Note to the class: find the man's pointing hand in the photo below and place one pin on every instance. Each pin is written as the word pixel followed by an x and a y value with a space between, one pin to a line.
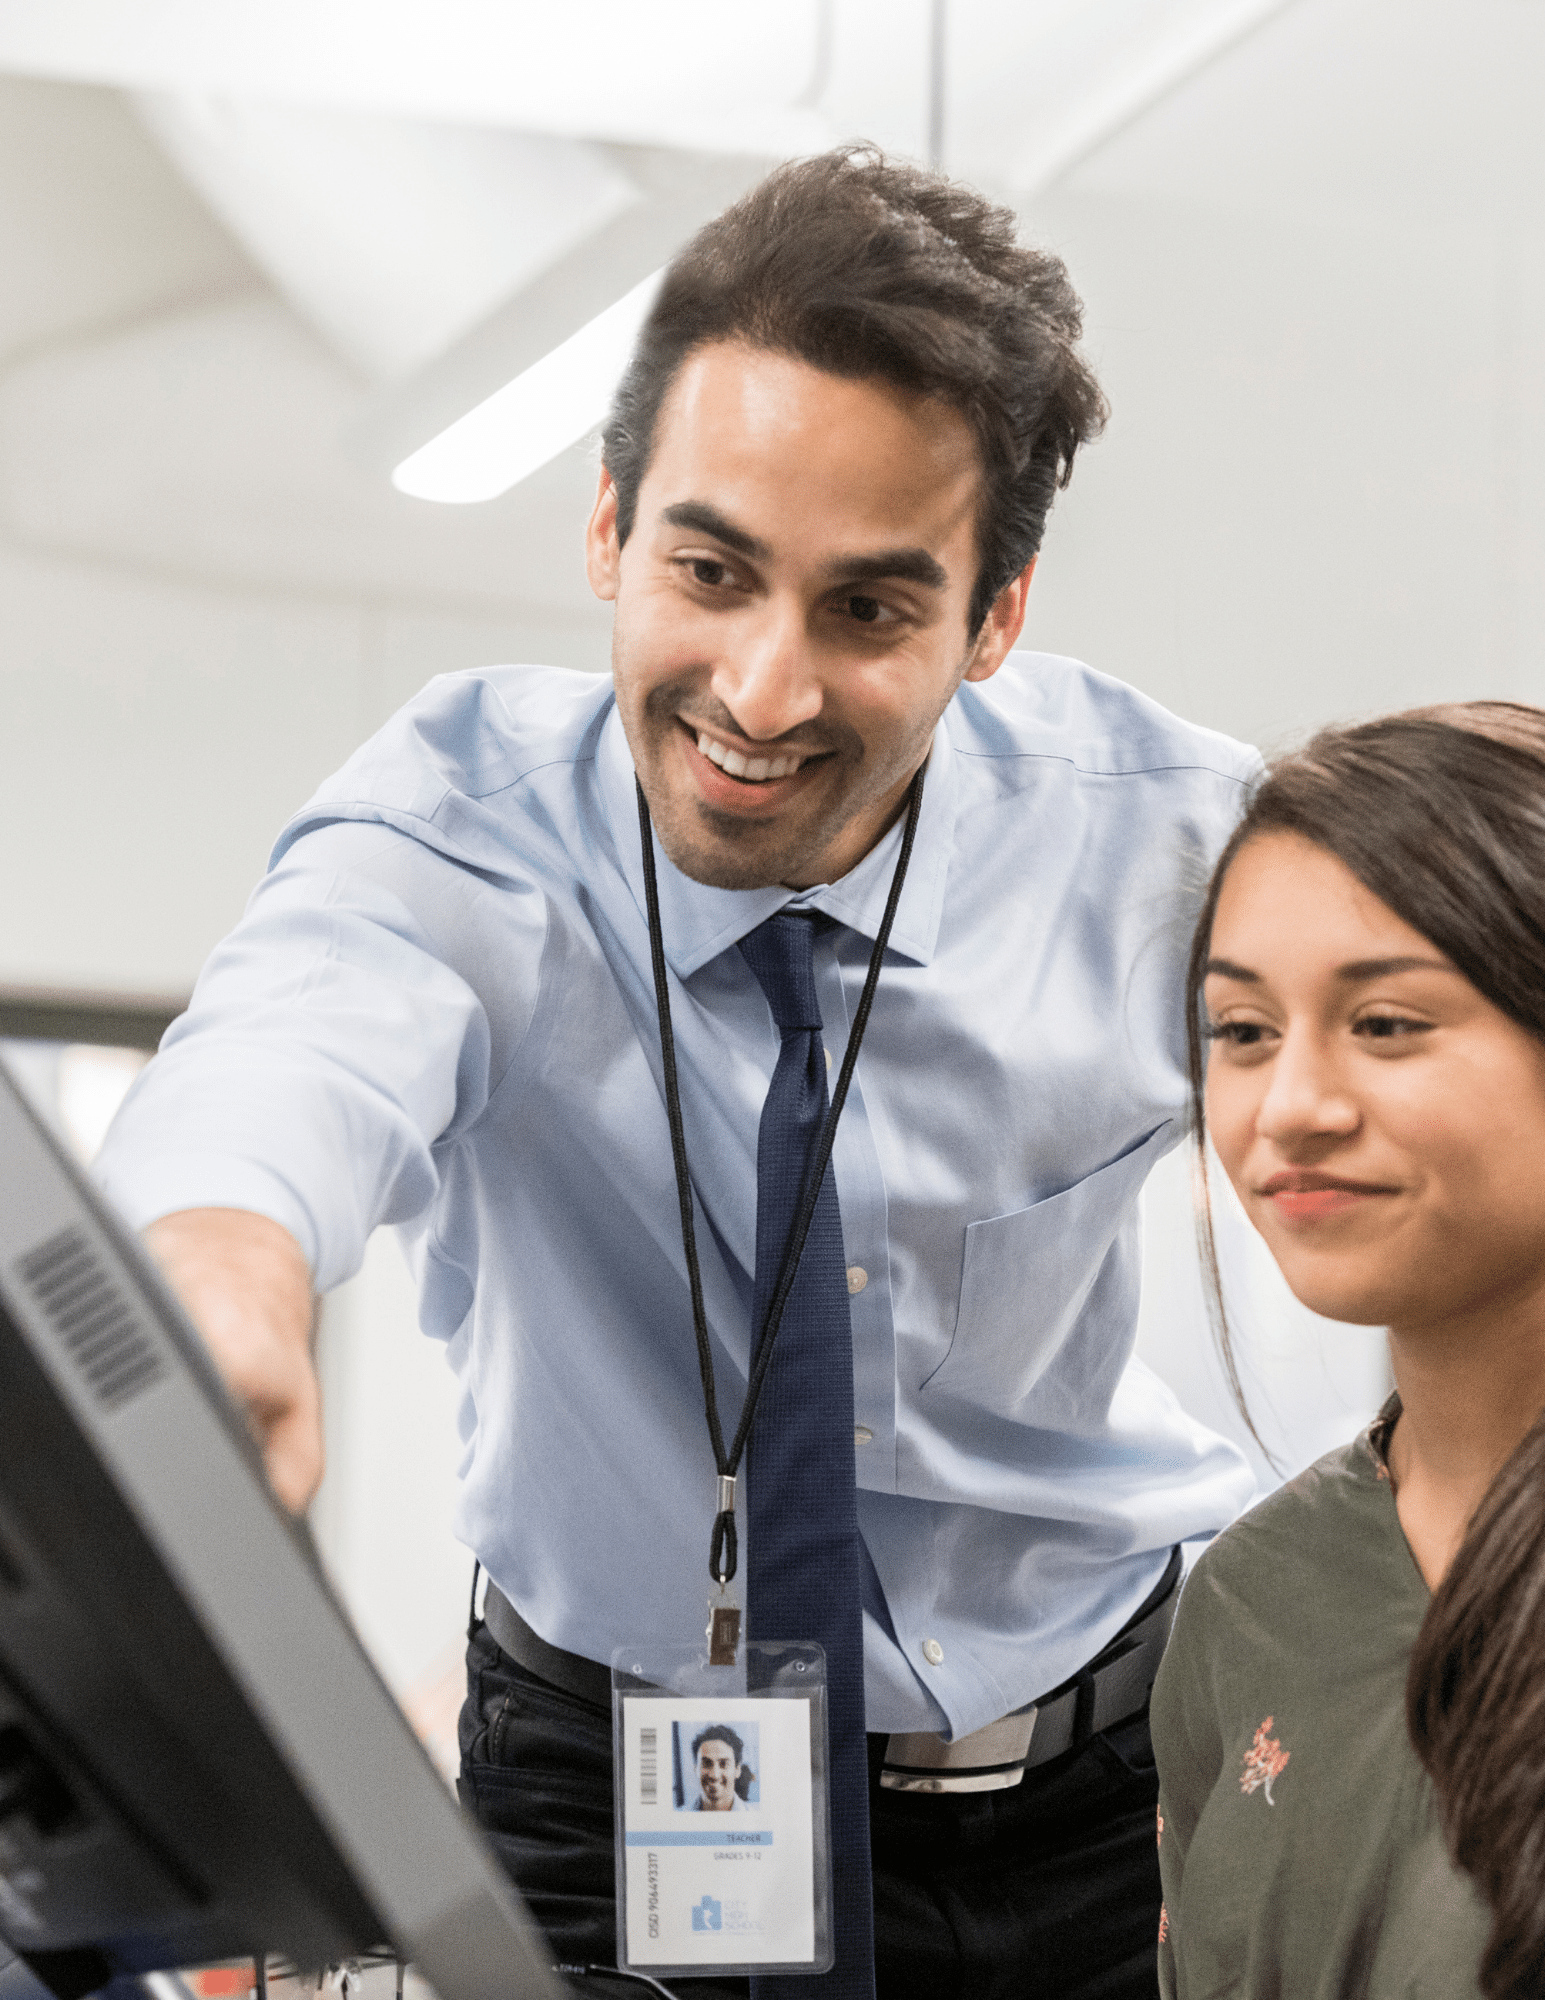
pixel 245 1284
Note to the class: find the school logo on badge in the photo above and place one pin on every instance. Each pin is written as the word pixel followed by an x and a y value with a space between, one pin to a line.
pixel 707 1915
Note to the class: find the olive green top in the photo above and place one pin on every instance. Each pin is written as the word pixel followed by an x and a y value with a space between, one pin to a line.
pixel 1298 1843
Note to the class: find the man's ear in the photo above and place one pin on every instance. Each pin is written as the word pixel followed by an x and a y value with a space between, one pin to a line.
pixel 603 554
pixel 1001 627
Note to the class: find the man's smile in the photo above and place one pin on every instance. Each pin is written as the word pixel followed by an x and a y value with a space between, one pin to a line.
pixel 738 776
pixel 753 770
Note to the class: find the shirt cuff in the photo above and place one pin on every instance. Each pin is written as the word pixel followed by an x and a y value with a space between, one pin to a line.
pixel 151 1185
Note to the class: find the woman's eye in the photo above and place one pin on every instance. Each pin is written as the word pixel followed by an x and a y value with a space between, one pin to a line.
pixel 1387 1027
pixel 1236 1034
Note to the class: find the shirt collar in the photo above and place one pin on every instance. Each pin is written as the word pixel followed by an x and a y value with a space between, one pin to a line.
pixel 699 922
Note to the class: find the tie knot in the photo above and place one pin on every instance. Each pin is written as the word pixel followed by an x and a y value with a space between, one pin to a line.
pixel 781 953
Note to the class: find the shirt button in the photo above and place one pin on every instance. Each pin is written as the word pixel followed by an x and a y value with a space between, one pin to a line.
pixel 862 1434
pixel 858 1277
pixel 933 1652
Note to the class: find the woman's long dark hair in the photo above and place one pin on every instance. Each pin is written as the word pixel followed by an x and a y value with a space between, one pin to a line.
pixel 1440 812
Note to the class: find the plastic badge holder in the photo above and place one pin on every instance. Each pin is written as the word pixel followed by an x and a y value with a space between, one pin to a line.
pixel 723 1810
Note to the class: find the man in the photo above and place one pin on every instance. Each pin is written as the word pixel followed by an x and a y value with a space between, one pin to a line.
pixel 825 482
pixel 718 1752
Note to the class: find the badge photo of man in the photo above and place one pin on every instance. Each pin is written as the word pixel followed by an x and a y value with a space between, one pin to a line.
pixel 821 804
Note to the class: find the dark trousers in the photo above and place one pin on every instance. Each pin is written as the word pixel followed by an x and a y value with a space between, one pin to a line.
pixel 1047 1891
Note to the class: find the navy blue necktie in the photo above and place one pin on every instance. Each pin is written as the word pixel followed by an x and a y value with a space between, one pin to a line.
pixel 802 1507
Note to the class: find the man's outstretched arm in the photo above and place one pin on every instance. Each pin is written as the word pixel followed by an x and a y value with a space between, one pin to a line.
pixel 331 1044
pixel 246 1286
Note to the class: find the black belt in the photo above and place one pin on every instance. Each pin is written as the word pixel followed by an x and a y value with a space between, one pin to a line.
pixel 585 1679
pixel 1111 1688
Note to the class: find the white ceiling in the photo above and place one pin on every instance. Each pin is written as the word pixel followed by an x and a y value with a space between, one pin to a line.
pixel 95 228
pixel 188 394
pixel 203 444
pixel 1028 82
pixel 642 70
pixel 1407 114
pixel 391 236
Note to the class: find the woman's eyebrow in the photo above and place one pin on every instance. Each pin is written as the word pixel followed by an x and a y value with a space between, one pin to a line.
pixel 1351 973
pixel 1381 968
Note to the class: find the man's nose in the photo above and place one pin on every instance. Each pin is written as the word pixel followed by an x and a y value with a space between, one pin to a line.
pixel 767 678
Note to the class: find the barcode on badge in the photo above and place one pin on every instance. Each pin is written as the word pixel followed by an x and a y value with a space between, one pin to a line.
pixel 648 1767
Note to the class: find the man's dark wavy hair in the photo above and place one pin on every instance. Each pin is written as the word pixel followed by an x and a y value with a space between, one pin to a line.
pixel 871 269
pixel 716 1732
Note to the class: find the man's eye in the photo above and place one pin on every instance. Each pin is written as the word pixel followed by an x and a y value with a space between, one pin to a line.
pixel 706 570
pixel 865 609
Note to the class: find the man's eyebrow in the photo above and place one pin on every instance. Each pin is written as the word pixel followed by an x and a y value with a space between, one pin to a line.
pixel 906 565
pixel 707 520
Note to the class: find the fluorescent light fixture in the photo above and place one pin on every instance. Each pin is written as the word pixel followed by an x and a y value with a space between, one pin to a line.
pixel 545 409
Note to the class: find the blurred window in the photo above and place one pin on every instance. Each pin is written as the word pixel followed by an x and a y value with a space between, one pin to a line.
pixel 76 1054
pixel 78 1086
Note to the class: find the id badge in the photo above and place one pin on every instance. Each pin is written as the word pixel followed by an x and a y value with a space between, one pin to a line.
pixel 723 1813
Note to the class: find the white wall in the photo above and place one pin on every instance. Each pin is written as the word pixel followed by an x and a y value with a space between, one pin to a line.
pixel 156 733
pixel 383 1516
pixel 204 606
pixel 1318 496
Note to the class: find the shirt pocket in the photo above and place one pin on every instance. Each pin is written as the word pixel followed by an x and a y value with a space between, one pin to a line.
pixel 1026 1278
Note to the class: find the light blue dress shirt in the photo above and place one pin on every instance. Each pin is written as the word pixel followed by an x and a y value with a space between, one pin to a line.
pixel 437 1012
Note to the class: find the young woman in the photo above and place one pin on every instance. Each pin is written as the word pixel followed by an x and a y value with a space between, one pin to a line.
pixel 1350 1720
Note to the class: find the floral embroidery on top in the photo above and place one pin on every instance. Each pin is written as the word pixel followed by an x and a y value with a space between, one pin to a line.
pixel 1159 1836
pixel 1163 1924
pixel 1264 1760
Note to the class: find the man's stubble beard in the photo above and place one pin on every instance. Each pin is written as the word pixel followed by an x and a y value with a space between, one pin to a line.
pixel 716 863
pixel 719 850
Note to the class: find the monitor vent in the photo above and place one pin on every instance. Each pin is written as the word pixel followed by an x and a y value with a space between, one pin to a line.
pixel 92 1317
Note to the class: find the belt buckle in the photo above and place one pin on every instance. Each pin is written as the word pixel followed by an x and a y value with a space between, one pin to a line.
pixel 988 1760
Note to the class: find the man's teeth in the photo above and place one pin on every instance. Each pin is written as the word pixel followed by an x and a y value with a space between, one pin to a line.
pixel 755 770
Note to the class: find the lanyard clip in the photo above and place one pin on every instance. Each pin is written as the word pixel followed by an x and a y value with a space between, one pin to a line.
pixel 726 1492
pixel 723 1630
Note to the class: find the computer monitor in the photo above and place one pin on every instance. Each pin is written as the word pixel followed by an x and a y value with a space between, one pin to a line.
pixel 197 1760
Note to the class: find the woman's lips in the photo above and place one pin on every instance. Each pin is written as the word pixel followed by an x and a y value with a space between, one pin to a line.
pixel 1310 1204
pixel 1315 1197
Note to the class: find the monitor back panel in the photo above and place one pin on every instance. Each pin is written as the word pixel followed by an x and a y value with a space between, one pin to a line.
pixel 208 1762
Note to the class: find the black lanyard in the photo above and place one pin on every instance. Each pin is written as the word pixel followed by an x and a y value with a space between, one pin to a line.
pixel 722 1554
